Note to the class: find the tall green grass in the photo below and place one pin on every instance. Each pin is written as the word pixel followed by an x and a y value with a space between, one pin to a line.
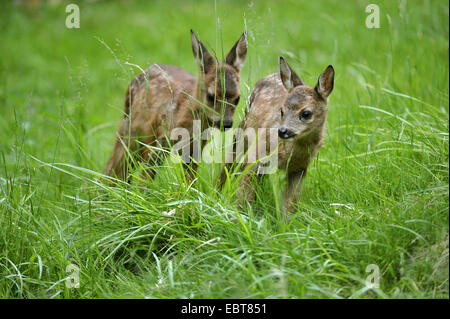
pixel 376 194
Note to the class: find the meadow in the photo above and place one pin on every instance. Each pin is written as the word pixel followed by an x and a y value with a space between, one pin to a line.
pixel 377 195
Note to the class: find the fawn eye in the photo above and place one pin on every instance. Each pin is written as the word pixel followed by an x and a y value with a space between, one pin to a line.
pixel 305 115
pixel 210 98
pixel 282 113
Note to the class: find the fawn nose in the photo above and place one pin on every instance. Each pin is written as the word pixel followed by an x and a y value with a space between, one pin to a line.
pixel 226 124
pixel 282 132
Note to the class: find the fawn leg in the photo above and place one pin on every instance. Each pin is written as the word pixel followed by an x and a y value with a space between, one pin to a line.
pixel 191 166
pixel 152 156
pixel 293 188
pixel 246 189
pixel 118 166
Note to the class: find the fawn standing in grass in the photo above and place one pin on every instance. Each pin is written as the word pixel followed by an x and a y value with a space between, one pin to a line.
pixel 299 113
pixel 165 97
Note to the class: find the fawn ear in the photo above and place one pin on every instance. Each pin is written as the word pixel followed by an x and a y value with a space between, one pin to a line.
pixel 237 54
pixel 325 83
pixel 201 54
pixel 288 76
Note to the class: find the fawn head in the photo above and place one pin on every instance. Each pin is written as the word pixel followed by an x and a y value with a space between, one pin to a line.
pixel 219 81
pixel 305 109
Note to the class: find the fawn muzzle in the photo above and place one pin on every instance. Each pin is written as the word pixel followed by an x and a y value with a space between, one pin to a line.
pixel 226 124
pixel 284 133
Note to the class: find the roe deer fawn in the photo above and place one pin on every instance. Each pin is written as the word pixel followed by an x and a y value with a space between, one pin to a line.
pixel 299 113
pixel 165 97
